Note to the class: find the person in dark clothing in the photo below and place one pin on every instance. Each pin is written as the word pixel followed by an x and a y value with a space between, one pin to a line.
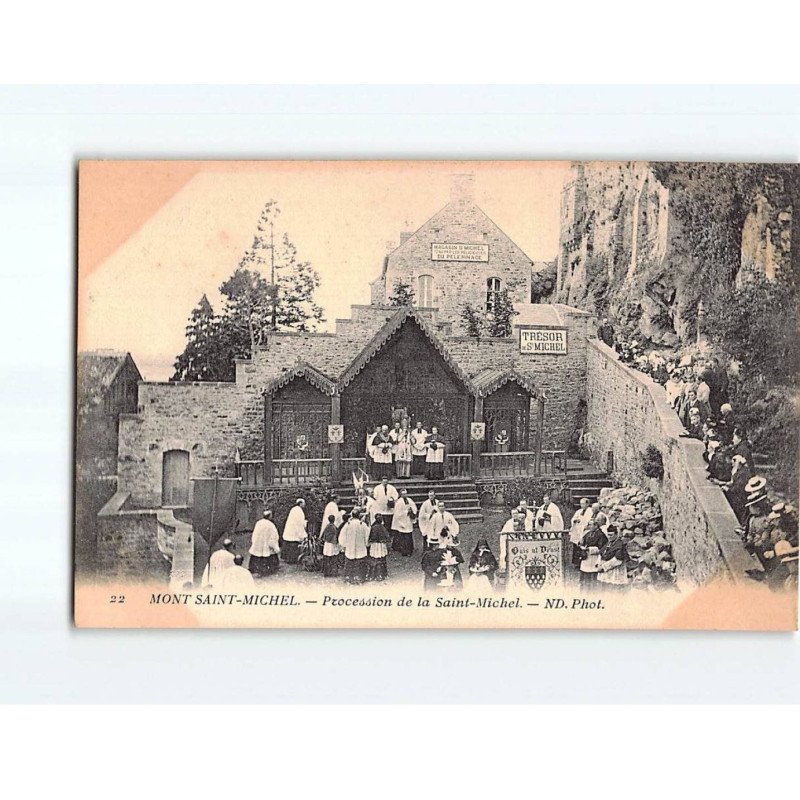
pixel 741 447
pixel 605 332
pixel 377 569
pixel 735 489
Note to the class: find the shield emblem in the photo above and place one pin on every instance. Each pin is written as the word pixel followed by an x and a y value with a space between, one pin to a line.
pixel 535 575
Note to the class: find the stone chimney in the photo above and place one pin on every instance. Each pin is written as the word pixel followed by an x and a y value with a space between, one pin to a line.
pixel 462 187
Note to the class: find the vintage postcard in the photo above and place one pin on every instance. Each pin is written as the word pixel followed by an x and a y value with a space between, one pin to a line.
pixel 426 394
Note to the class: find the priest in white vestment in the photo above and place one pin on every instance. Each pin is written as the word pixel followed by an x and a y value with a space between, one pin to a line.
pixel 236 579
pixel 548 516
pixel 264 547
pixel 517 523
pixel 353 539
pixel 434 458
pixel 578 527
pixel 419 449
pixel 405 513
pixel 382 450
pixel 220 561
pixel 426 512
pixel 294 532
pixel 442 519
pixel 385 496
pixel 332 509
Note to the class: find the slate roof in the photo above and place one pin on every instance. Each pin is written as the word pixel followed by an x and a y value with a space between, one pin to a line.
pixel 491 379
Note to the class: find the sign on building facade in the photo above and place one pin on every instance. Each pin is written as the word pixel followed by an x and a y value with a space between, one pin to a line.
pixel 543 341
pixel 477 431
pixel 335 434
pixel 446 251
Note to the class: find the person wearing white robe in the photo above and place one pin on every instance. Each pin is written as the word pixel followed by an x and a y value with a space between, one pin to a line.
pixel 294 532
pixel 426 512
pixel 578 527
pixel 385 496
pixel 220 561
pixel 419 436
pixel 555 521
pixel 370 507
pixel 264 547
pixel 442 519
pixel 434 458
pixel 517 523
pixel 369 460
pixel 236 579
pixel 353 539
pixel 405 512
pixel 528 514
pixel 332 509
pixel 382 447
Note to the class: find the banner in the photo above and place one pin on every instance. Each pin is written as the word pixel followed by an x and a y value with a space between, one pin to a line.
pixel 535 561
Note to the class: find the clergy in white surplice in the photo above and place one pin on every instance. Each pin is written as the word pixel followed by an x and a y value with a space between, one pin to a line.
pixel 419 436
pixel 548 516
pixel 434 458
pixel 403 518
pixel 385 496
pixel 332 509
pixel 220 561
pixel 382 452
pixel 442 522
pixel 426 512
pixel 294 532
pixel 578 527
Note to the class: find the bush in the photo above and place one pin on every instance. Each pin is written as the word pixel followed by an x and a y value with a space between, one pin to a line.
pixel 653 462
pixel 532 489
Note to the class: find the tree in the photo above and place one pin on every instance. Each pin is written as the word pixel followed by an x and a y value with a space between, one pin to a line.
pixel 403 294
pixel 253 305
pixel 473 321
pixel 208 355
pixel 502 315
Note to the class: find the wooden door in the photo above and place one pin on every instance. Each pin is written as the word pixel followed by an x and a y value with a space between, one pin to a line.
pixel 175 478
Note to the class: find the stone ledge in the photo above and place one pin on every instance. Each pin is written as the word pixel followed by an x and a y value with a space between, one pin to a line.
pixel 721 522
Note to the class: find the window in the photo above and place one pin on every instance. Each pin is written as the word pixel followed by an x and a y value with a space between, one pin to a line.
pixel 492 290
pixel 425 294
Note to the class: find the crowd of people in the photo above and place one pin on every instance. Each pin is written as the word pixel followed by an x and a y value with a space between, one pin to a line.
pixel 404 450
pixel 697 388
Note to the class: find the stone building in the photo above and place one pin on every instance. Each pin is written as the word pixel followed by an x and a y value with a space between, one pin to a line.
pixel 271 424
pixel 106 386
pixel 458 256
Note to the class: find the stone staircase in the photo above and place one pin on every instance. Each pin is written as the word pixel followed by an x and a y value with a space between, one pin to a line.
pixel 460 495
pixel 586 482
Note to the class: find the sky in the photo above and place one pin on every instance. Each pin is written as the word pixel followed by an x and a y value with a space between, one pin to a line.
pixel 155 236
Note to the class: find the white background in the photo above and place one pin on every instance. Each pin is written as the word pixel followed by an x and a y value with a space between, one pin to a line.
pixel 43 131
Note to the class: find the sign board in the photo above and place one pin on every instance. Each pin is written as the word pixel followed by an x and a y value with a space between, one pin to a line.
pixel 446 251
pixel 335 434
pixel 477 431
pixel 543 341
pixel 535 561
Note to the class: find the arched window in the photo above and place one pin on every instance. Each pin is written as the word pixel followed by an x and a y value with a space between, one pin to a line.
pixel 425 294
pixel 492 290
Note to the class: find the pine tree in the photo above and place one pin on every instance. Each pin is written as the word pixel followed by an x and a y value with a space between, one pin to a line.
pixel 207 355
pixel 253 305
pixel 403 294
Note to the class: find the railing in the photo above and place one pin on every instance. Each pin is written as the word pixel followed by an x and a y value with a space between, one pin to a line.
pixel 252 473
pixel 522 462
pixel 300 470
pixel 458 465
pixel 293 471
pixel 553 462
pixel 286 471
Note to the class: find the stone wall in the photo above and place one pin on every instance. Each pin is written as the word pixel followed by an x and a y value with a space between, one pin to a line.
pixel 208 420
pixel 127 543
pixel 626 412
